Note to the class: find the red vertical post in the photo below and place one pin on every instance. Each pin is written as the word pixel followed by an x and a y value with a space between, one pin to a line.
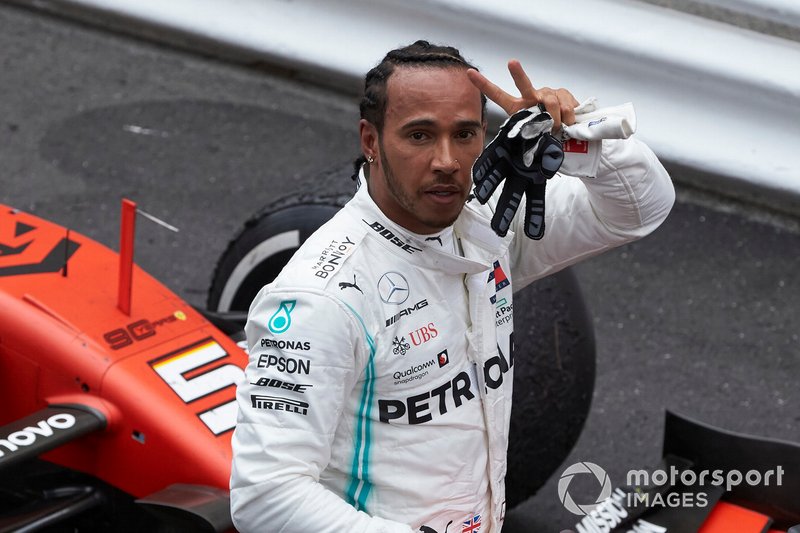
pixel 127 230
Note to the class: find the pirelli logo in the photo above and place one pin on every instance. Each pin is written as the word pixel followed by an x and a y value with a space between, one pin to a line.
pixel 276 403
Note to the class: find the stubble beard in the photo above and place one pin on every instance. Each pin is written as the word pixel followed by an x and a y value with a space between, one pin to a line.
pixel 407 202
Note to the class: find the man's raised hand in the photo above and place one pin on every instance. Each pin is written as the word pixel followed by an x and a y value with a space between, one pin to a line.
pixel 560 103
pixel 524 154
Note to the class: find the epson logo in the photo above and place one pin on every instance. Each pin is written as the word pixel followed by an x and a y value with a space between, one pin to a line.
pixel 387 234
pixel 44 428
pixel 407 311
pixel 284 364
pixel 285 345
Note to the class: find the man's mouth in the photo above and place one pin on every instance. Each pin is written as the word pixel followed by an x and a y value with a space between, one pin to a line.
pixel 445 195
pixel 444 190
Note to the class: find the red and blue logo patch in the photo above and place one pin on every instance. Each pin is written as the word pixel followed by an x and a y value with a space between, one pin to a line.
pixel 500 279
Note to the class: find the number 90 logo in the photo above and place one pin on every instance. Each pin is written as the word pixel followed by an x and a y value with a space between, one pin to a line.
pixel 135 331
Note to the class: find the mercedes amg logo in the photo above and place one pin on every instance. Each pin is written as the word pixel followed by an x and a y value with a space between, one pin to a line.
pixel 393 288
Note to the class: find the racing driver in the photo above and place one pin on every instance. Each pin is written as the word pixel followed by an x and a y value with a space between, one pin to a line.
pixel 378 391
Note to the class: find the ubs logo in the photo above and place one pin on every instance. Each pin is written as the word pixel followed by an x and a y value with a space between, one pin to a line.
pixel 423 334
pixel 400 346
pixel 393 288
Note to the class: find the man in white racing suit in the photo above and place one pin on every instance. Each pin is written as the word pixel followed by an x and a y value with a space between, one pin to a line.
pixel 378 392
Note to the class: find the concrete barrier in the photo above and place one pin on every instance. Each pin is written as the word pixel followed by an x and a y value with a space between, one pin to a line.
pixel 718 103
pixel 785 12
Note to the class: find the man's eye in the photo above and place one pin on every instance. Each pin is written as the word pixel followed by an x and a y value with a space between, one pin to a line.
pixel 466 134
pixel 418 136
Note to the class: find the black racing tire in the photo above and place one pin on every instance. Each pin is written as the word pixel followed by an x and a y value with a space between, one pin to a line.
pixel 263 247
pixel 554 373
pixel 554 357
pixel 269 239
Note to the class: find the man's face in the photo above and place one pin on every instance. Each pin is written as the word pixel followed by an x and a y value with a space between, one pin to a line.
pixel 432 133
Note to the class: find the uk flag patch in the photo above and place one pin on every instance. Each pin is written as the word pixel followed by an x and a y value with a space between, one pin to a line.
pixel 472 526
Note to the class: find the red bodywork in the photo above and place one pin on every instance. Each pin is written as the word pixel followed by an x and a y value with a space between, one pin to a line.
pixel 163 377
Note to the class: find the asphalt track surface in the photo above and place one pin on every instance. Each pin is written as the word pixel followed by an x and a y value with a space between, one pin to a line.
pixel 702 317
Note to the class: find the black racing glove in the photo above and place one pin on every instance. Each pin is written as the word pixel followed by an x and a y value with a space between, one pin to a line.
pixel 526 155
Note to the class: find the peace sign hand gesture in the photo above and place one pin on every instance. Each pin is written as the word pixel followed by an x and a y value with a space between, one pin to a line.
pixel 560 103
pixel 524 154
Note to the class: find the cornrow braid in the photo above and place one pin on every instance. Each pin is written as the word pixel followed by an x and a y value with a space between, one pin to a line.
pixel 420 53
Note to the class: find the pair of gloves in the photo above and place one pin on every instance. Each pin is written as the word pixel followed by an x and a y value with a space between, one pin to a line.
pixel 525 155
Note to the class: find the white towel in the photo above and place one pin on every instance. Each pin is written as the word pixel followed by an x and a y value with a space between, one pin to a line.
pixel 583 139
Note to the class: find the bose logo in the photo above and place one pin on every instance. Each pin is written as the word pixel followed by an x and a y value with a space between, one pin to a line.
pixel 391 237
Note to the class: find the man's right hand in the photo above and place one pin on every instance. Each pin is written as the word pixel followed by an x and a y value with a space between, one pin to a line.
pixel 560 103
pixel 524 155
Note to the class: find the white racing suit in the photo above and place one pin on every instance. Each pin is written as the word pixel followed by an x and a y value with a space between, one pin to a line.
pixel 378 393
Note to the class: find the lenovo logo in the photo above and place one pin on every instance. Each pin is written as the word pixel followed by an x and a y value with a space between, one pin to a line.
pixel 43 429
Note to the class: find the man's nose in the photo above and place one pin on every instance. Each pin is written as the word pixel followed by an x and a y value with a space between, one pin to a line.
pixel 445 159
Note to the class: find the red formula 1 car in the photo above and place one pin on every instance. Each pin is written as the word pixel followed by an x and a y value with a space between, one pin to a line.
pixel 118 398
pixel 136 401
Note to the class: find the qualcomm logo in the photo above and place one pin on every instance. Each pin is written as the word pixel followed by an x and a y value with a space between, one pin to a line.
pixel 393 288
pixel 582 468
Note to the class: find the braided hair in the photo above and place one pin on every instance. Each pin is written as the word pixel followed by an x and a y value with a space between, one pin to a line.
pixel 419 54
